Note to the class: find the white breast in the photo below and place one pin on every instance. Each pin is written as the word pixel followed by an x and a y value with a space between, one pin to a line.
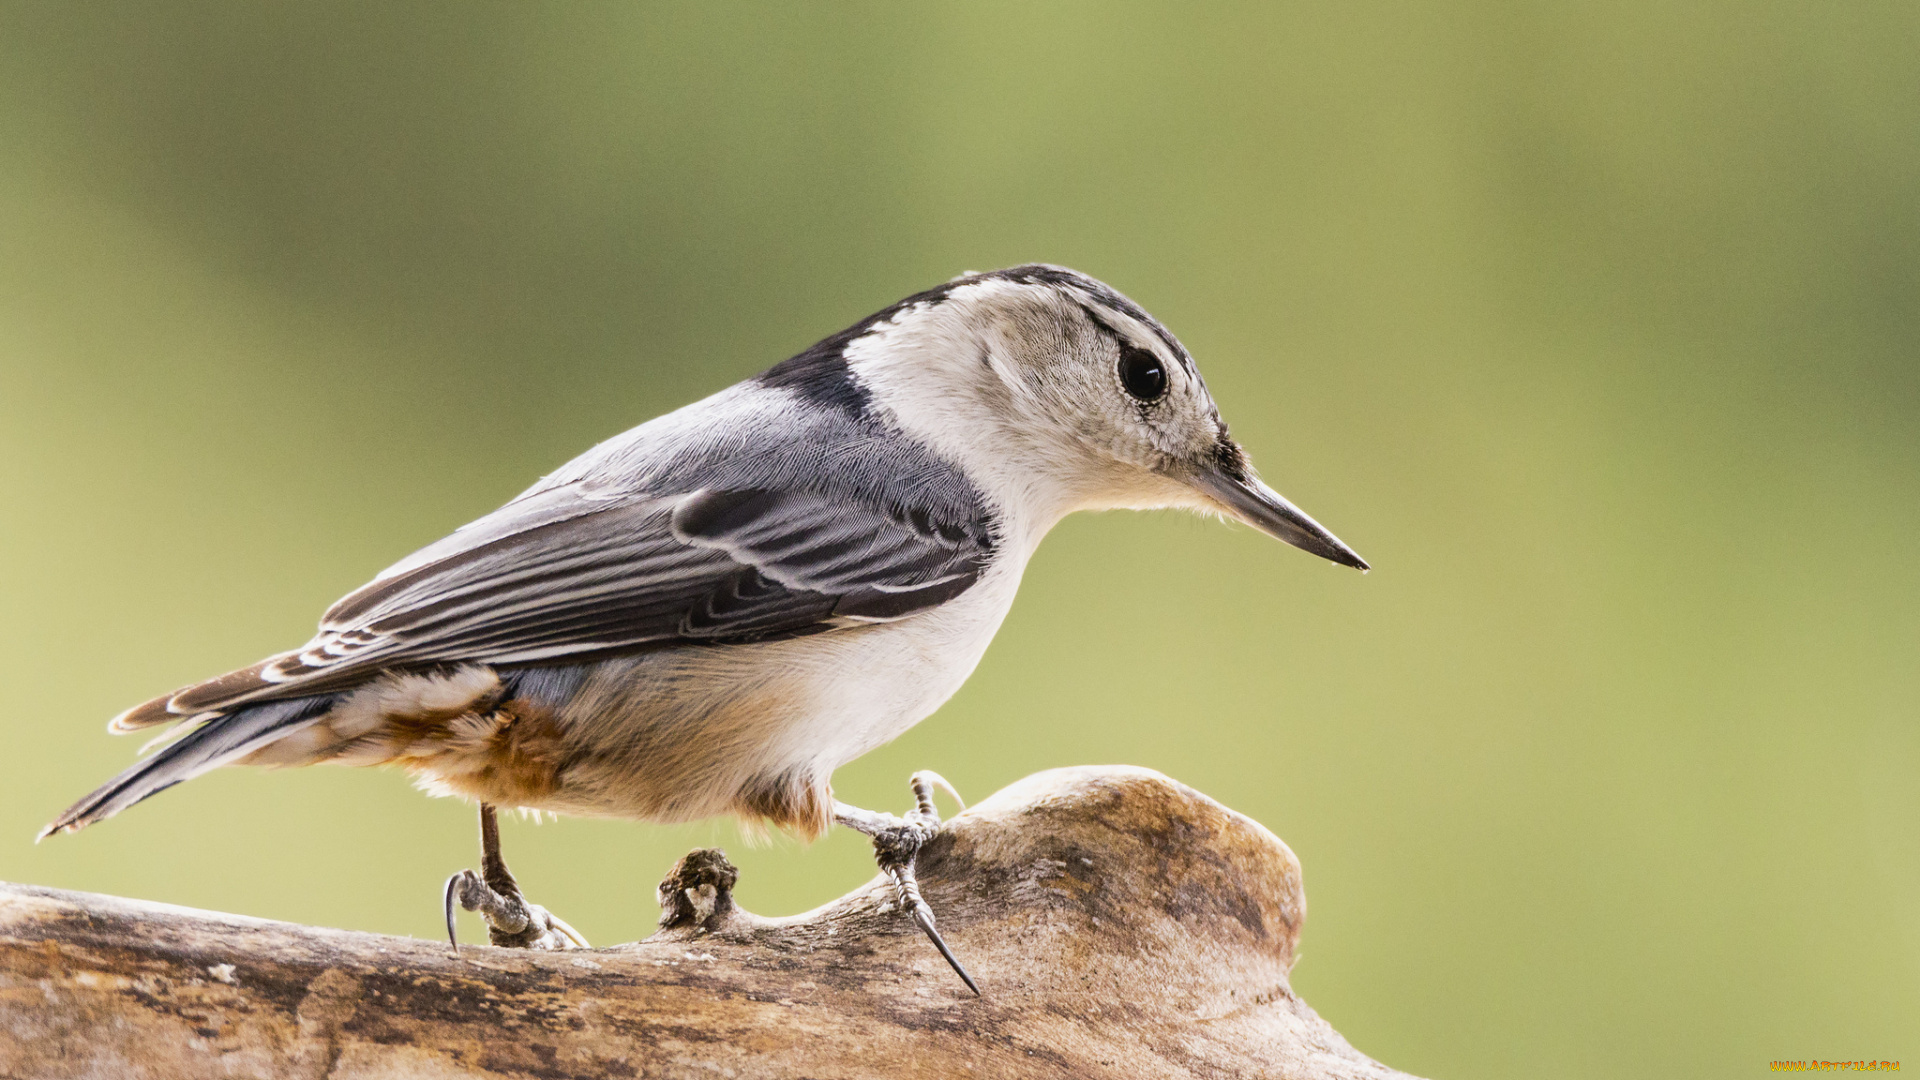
pixel 874 684
pixel 677 735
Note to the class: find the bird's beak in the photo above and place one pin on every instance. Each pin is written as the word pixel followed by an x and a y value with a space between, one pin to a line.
pixel 1240 493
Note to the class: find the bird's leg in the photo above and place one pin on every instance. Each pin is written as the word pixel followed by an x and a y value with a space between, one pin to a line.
pixel 896 844
pixel 512 921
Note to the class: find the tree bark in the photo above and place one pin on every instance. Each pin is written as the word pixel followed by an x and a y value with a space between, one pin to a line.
pixel 1120 925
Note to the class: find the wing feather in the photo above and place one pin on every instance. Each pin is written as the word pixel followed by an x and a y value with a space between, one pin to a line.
pixel 751 515
pixel 575 575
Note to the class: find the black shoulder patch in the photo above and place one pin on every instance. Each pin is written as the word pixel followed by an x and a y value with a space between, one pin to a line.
pixel 820 374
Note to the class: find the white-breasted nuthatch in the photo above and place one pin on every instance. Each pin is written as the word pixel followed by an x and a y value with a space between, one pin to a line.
pixel 713 611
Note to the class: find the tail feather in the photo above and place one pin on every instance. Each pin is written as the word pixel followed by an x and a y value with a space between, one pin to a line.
pixel 217 741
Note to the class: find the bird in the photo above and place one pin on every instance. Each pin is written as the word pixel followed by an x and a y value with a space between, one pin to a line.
pixel 710 613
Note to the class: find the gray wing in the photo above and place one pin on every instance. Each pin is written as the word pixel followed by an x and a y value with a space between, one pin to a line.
pixel 572 576
pixel 750 515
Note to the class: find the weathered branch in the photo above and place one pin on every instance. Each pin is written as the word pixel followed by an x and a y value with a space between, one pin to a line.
pixel 1120 924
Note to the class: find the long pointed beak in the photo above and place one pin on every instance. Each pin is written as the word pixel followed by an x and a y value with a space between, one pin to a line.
pixel 1242 494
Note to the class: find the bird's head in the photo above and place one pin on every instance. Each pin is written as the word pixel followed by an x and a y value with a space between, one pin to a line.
pixel 1058 392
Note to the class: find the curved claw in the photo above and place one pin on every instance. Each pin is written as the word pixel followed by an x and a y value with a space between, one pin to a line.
pixel 453 939
pixel 559 925
pixel 907 886
pixel 926 779
pixel 896 846
pixel 924 916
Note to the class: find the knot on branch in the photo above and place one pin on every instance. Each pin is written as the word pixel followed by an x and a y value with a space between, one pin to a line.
pixel 697 894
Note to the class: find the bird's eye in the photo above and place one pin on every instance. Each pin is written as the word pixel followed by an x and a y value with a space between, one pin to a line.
pixel 1142 374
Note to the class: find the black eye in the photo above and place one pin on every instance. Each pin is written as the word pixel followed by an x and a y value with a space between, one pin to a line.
pixel 1142 374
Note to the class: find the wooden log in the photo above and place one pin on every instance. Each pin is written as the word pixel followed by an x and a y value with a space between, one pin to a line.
pixel 1120 925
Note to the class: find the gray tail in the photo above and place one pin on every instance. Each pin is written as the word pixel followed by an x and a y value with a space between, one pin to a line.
pixel 217 741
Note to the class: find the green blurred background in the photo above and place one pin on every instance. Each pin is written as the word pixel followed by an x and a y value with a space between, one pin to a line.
pixel 1595 326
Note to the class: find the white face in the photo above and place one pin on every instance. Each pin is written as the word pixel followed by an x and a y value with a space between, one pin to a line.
pixel 1114 405
pixel 1060 394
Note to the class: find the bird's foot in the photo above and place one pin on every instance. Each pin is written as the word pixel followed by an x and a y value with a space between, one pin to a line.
pixel 896 845
pixel 493 894
pixel 513 922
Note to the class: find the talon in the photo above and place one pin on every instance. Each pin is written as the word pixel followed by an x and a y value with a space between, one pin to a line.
pixel 926 778
pixel 511 920
pixel 896 847
pixel 924 916
pixel 556 923
pixel 908 887
pixel 453 938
